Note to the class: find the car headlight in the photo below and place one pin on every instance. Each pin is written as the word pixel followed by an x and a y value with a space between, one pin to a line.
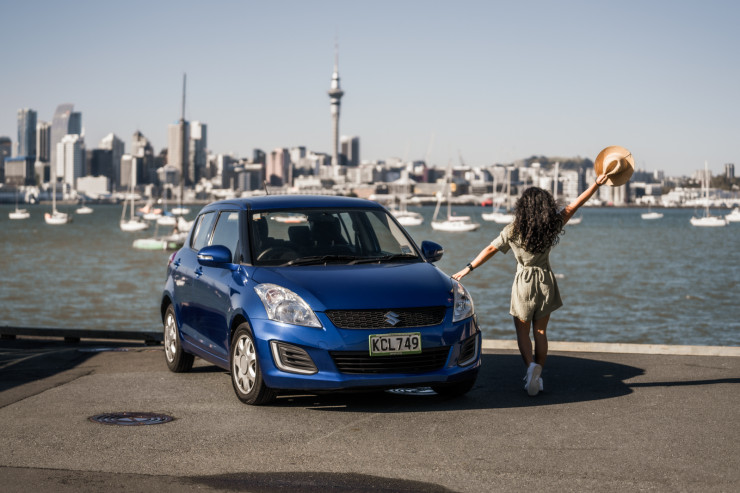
pixel 283 305
pixel 463 307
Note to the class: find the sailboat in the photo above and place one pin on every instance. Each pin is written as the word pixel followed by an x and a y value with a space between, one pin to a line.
pixel 707 220
pixel 83 209
pixel 133 223
pixel 55 217
pixel 404 216
pixel 166 218
pixel 453 224
pixel 496 215
pixel 18 213
pixel 650 215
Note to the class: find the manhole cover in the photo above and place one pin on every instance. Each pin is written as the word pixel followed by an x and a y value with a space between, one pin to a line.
pixel 413 391
pixel 131 419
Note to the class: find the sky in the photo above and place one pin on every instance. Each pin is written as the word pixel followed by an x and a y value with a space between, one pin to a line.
pixel 473 82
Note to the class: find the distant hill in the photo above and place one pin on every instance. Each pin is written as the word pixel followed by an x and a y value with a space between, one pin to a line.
pixel 566 163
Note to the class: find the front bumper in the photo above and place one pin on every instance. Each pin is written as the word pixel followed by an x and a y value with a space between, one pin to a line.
pixel 451 352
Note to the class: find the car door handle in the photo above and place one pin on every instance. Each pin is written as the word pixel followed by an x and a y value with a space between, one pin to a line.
pixel 199 272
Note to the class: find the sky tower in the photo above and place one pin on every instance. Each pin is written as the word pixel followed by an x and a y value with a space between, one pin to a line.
pixel 335 94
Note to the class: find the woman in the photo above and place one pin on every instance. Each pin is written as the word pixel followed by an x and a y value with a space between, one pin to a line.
pixel 536 228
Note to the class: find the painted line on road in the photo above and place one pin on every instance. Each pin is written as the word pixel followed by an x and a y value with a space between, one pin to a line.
pixel 606 347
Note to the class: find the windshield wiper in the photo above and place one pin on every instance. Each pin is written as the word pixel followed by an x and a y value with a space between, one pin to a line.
pixel 385 258
pixel 321 259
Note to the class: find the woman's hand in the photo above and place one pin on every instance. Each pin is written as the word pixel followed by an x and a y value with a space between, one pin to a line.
pixel 601 179
pixel 461 274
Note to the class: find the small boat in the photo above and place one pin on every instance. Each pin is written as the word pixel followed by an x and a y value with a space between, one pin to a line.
pixel 734 216
pixel 180 211
pixel 406 217
pixel 55 217
pixel 19 214
pixel 707 220
pixel 167 220
pixel 171 242
pixel 651 215
pixel 134 222
pixel 575 220
pixel 497 215
pixel 83 209
pixel 453 224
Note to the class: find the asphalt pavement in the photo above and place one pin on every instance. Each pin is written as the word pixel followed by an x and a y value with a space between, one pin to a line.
pixel 605 422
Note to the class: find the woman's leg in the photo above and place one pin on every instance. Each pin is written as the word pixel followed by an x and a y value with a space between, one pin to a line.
pixel 539 327
pixel 523 340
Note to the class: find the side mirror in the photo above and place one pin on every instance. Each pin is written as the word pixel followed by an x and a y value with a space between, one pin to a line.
pixel 215 256
pixel 432 251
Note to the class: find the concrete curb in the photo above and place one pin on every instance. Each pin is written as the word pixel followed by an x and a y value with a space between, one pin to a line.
pixel 605 347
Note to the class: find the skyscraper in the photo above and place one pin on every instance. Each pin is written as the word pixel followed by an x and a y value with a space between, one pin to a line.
pixel 178 137
pixel 65 122
pixel 112 143
pixel 198 150
pixel 335 95
pixel 26 144
pixel 351 150
pixel 6 147
pixel 178 145
pixel 71 157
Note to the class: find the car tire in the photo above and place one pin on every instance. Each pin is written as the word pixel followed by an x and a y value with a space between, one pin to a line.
pixel 178 361
pixel 454 389
pixel 246 373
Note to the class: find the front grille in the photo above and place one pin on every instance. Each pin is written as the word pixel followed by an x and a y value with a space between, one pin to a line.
pixel 467 350
pixel 430 359
pixel 292 358
pixel 379 319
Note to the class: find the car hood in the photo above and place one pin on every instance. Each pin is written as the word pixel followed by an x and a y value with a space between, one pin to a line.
pixel 363 287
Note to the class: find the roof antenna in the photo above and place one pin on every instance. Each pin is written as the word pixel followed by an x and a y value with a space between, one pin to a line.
pixel 264 184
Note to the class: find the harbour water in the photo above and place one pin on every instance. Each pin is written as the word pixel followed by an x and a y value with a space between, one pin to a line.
pixel 623 279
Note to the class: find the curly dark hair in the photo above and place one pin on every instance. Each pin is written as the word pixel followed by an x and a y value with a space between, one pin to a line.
pixel 538 222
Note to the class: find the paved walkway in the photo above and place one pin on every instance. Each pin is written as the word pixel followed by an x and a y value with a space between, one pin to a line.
pixel 606 422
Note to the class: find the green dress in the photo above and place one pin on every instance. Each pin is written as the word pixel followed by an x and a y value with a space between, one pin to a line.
pixel 534 293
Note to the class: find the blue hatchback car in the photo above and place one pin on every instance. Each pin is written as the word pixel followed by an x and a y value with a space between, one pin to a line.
pixel 316 293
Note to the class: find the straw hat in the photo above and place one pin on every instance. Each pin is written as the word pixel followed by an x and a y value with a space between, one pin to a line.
pixel 617 162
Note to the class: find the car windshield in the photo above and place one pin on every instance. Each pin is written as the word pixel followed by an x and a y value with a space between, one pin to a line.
pixel 311 237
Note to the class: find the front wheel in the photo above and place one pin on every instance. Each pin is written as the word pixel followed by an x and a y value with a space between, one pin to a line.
pixel 246 374
pixel 177 360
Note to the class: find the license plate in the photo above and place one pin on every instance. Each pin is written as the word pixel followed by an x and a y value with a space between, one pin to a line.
pixel 385 344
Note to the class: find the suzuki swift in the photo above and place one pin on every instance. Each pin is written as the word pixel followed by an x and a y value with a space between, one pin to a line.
pixel 316 293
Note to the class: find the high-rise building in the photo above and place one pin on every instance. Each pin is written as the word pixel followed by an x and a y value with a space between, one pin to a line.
pixel 178 137
pixel 66 121
pixel 6 150
pixel 351 150
pixel 26 144
pixel 335 96
pixel 112 143
pixel 143 151
pixel 71 157
pixel 730 171
pixel 43 141
pixel 278 168
pixel 198 150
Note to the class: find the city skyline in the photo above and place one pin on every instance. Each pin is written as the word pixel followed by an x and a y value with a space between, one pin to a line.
pixel 479 82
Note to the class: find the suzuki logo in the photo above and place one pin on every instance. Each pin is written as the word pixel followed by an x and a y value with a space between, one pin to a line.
pixel 391 318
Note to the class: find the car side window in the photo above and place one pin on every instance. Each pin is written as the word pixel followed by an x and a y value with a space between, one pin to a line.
pixel 226 232
pixel 202 230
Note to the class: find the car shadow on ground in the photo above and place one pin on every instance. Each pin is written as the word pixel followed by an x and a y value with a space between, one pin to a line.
pixel 499 385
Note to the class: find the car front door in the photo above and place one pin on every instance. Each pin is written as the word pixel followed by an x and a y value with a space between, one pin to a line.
pixel 215 287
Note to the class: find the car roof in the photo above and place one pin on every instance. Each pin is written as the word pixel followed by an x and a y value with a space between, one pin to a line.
pixel 276 202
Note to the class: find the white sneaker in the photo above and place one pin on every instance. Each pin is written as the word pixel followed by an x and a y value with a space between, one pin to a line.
pixel 532 385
